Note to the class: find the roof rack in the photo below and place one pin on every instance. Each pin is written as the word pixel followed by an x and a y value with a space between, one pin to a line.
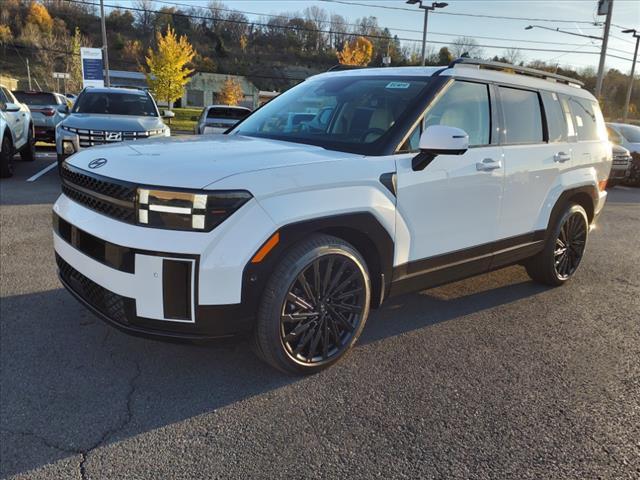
pixel 339 67
pixel 532 72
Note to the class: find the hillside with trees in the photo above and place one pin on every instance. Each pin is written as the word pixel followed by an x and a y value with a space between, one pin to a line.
pixel 274 51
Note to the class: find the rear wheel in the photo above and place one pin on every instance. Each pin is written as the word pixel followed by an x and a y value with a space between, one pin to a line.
pixel 28 152
pixel 563 250
pixel 6 157
pixel 314 307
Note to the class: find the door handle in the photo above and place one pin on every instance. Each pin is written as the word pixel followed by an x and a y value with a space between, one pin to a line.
pixel 561 157
pixel 488 164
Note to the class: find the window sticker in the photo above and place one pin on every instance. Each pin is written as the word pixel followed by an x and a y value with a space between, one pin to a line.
pixel 401 85
pixel 554 96
pixel 579 121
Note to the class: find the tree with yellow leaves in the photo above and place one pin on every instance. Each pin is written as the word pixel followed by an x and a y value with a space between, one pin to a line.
pixel 231 92
pixel 168 73
pixel 358 51
pixel 39 15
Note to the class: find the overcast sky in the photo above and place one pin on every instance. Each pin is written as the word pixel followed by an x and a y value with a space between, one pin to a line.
pixel 505 33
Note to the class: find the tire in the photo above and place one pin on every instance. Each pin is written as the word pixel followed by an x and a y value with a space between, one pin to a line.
pixel 314 306
pixel 563 250
pixel 6 157
pixel 28 152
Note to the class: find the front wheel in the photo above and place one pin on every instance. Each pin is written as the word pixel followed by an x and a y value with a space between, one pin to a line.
pixel 564 248
pixel 314 306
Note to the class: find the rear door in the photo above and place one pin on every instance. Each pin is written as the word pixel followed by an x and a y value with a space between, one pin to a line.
pixel 17 120
pixel 536 150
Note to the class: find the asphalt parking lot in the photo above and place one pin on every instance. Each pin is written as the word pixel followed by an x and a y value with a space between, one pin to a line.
pixel 491 377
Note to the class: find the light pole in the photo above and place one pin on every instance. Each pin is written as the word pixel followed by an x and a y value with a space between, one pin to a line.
pixel 426 9
pixel 633 71
pixel 105 52
pixel 603 50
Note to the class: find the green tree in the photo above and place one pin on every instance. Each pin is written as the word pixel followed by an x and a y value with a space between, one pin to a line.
pixel 168 72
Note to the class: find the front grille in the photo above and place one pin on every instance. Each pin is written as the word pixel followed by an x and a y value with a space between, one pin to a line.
pixel 106 302
pixel 89 138
pixel 115 199
pixel 622 160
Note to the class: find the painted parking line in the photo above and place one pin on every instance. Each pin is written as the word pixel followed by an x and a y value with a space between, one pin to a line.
pixel 42 172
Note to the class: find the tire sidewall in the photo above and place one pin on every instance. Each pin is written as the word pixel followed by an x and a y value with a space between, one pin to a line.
pixel 28 152
pixel 271 315
pixel 6 157
pixel 569 211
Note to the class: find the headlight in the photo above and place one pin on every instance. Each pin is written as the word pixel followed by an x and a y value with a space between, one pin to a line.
pixel 181 210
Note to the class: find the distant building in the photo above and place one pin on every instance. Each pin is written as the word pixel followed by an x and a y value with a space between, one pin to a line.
pixel 9 82
pixel 204 87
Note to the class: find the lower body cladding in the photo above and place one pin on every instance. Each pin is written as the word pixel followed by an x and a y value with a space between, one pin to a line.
pixel 144 292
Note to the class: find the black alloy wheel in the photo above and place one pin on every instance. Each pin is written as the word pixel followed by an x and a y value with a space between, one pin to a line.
pixel 322 309
pixel 314 305
pixel 570 245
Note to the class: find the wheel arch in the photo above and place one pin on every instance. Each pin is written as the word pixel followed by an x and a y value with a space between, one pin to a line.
pixel 360 229
pixel 586 196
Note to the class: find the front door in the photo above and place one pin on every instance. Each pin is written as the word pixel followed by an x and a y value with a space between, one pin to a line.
pixel 449 212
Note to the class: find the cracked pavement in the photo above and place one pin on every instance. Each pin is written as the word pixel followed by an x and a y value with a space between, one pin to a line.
pixel 491 377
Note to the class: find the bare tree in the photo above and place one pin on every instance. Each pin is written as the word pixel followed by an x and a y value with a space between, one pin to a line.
pixel 144 16
pixel 466 46
pixel 339 28
pixel 512 56
pixel 320 19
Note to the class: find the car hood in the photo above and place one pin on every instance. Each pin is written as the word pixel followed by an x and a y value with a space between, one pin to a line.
pixel 196 162
pixel 618 150
pixel 120 123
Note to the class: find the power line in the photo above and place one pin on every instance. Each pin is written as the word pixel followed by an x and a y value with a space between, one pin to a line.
pixel 312 30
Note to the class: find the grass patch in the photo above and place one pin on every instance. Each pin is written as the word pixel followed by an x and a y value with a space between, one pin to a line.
pixel 182 121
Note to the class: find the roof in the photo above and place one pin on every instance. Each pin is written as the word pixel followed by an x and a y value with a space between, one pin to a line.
pixel 228 106
pixel 132 91
pixel 127 74
pixel 469 71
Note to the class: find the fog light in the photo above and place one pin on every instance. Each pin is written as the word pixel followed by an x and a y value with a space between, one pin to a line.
pixel 68 148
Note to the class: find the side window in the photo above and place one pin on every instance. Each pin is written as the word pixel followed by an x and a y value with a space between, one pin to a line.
pixel 3 97
pixel 556 123
pixel 585 118
pixel 464 105
pixel 614 136
pixel 522 115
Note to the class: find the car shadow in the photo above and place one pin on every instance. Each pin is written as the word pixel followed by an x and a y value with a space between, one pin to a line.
pixel 71 383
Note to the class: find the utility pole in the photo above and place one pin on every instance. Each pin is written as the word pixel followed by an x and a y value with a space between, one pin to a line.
pixel 426 9
pixel 29 74
pixel 105 53
pixel 633 71
pixel 603 51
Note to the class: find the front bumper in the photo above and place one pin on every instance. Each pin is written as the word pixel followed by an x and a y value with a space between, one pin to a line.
pixel 187 286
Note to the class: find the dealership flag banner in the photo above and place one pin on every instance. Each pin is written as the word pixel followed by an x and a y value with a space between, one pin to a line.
pixel 92 68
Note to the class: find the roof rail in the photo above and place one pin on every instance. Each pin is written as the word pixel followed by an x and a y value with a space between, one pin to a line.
pixel 339 67
pixel 532 72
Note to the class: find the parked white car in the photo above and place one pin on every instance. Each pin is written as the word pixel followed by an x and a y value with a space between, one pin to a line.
pixel 219 118
pixel 415 176
pixel 16 132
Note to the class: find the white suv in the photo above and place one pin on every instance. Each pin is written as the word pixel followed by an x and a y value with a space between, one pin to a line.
pixel 16 132
pixel 291 232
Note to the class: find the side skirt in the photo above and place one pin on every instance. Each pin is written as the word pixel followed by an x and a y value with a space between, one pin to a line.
pixel 450 267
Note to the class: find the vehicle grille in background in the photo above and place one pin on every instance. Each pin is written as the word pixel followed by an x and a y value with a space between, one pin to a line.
pixel 115 199
pixel 621 160
pixel 106 302
pixel 89 138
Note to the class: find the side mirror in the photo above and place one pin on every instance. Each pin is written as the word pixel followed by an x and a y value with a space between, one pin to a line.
pixel 168 114
pixel 11 107
pixel 440 140
pixel 64 109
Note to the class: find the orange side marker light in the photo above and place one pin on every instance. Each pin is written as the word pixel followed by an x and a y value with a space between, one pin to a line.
pixel 266 248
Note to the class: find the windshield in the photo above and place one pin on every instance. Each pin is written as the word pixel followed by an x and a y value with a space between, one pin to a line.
pixel 115 103
pixel 228 113
pixel 631 133
pixel 36 98
pixel 347 113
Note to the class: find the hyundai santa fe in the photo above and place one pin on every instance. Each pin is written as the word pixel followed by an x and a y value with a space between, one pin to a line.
pixel 394 180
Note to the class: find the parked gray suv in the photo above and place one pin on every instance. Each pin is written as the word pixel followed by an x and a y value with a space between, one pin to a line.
pixel 108 115
pixel 47 110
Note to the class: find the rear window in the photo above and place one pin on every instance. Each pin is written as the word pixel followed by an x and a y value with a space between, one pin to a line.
pixel 522 116
pixel 115 103
pixel 36 98
pixel 230 113
pixel 587 119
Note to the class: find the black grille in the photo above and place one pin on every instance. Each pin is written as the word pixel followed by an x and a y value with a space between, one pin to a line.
pixel 112 198
pixel 106 302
